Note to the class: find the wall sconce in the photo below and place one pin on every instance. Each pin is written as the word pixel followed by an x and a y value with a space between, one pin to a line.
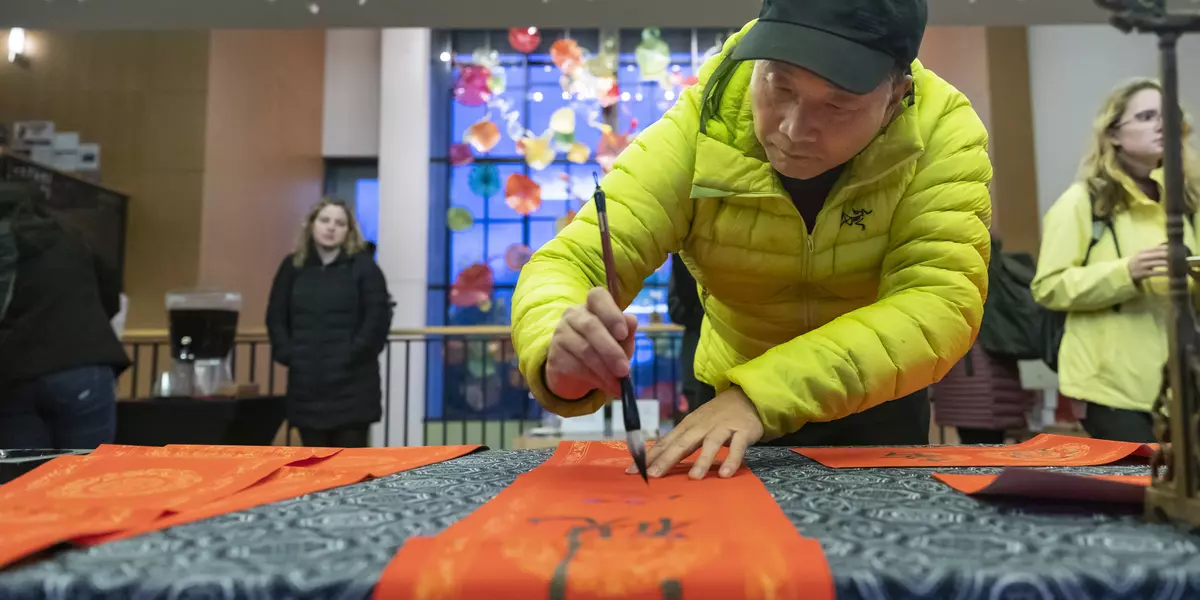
pixel 17 46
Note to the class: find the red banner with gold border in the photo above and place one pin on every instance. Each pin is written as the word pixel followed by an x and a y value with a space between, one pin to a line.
pixel 577 527
pixel 1044 450
pixel 121 491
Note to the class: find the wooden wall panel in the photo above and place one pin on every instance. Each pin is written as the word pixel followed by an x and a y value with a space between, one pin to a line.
pixel 1014 160
pixel 264 165
pixel 141 96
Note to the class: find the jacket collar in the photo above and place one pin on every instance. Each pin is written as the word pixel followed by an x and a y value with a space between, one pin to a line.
pixel 1134 192
pixel 731 162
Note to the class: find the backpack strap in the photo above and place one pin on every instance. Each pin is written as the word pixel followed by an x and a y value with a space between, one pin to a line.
pixel 715 88
pixel 1099 224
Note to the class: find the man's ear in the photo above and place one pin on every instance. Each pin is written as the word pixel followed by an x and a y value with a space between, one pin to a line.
pixel 901 88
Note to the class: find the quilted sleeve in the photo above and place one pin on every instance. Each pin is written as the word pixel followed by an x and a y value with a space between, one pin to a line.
pixel 649 213
pixel 930 302
pixel 1063 282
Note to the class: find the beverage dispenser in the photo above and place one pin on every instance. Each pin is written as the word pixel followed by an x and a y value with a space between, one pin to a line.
pixel 203 328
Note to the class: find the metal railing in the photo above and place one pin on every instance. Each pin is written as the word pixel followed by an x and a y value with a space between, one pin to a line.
pixel 441 385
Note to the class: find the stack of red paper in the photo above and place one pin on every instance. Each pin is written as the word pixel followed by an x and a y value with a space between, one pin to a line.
pixel 121 491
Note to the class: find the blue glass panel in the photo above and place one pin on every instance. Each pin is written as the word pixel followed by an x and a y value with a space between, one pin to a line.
pixel 466 249
pixel 366 208
pixel 460 191
pixel 540 232
pixel 555 193
pixel 583 183
pixel 500 237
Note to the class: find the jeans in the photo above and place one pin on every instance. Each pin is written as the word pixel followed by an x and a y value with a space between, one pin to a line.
pixel 75 409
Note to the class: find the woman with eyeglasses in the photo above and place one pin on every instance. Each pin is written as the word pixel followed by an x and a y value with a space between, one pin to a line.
pixel 1103 261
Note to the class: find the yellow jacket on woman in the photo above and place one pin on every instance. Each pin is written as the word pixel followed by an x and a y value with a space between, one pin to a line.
pixel 879 301
pixel 1109 356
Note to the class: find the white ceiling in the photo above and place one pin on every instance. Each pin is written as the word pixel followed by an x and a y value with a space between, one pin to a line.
pixel 206 14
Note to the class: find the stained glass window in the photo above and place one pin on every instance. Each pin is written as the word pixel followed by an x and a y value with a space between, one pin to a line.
pixel 480 228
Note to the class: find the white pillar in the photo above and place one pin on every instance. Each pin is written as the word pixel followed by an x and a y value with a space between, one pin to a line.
pixel 404 114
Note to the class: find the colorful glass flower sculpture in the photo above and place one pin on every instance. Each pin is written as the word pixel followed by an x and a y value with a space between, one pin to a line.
pixel 484 180
pixel 567 55
pixel 486 57
pixel 473 286
pixel 563 120
pixel 652 55
pixel 579 153
pixel 538 151
pixel 459 219
pixel 460 154
pixel 522 194
pixel 483 136
pixel 611 145
pixel 516 256
pixel 524 39
pixel 471 87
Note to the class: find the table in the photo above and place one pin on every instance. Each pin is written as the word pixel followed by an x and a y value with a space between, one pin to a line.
pixel 182 420
pixel 887 533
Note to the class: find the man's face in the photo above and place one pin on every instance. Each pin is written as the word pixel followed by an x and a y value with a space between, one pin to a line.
pixel 808 125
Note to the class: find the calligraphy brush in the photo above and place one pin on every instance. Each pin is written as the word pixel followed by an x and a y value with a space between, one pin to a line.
pixel 634 438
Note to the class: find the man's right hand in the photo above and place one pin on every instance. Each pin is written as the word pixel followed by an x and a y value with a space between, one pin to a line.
pixel 1151 261
pixel 591 348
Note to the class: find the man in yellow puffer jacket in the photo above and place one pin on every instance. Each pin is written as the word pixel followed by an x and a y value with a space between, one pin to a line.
pixel 829 194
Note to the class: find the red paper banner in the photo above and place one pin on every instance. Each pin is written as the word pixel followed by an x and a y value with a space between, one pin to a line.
pixel 197 451
pixel 26 530
pixel 122 491
pixel 160 483
pixel 578 527
pixel 1045 450
pixel 347 467
pixel 285 483
pixel 381 462
pixel 1054 485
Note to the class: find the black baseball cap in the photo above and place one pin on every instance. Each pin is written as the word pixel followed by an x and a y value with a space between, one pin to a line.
pixel 852 43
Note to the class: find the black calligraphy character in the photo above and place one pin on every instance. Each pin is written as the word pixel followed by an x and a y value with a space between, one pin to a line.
pixel 664 527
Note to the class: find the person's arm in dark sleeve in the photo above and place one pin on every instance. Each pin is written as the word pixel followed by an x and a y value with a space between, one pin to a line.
pixel 372 332
pixel 279 307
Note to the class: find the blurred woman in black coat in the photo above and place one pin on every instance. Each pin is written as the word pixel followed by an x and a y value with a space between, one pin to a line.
pixel 328 319
pixel 59 356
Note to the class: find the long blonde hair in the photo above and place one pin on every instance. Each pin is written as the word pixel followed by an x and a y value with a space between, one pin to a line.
pixel 354 240
pixel 1101 169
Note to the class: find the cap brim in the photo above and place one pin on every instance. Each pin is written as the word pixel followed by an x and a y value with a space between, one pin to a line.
pixel 844 63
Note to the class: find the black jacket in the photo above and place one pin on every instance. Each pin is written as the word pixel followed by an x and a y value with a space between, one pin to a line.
pixel 328 324
pixel 59 318
pixel 683 301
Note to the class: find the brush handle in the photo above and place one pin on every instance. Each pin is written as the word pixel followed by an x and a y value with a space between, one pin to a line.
pixel 633 421
pixel 610 265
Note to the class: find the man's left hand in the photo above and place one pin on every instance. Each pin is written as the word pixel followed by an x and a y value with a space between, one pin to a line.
pixel 728 419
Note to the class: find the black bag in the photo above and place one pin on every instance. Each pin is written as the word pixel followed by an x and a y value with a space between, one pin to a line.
pixel 1014 324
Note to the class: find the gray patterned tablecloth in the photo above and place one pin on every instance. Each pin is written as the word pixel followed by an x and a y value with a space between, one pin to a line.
pixel 888 533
